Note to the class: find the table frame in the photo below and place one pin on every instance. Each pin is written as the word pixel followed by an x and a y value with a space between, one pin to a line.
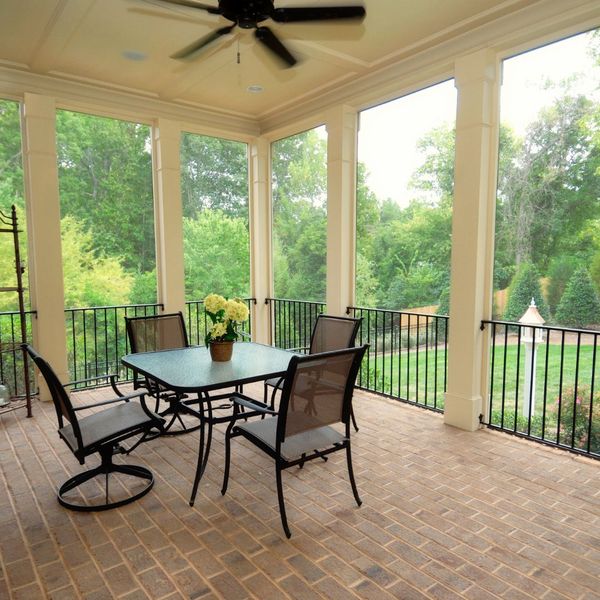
pixel 192 371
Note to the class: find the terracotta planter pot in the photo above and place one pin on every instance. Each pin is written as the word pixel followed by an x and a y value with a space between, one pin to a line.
pixel 221 351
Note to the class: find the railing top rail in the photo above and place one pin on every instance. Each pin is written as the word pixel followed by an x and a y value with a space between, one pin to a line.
pixel 395 312
pixel 268 300
pixel 83 308
pixel 16 312
pixel 485 322
pixel 253 300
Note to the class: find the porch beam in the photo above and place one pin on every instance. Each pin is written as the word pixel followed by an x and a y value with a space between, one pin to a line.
pixel 477 79
pixel 342 130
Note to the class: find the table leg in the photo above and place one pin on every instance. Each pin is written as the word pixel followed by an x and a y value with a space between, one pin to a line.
pixel 204 448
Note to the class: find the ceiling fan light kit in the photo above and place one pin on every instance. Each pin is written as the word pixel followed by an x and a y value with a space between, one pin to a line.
pixel 249 14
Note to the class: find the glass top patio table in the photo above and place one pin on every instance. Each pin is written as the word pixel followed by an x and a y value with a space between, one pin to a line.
pixel 192 370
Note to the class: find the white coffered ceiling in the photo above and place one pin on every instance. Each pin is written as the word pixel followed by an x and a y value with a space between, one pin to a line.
pixel 125 45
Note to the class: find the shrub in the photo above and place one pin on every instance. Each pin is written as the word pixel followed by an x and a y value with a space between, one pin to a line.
pixel 579 305
pixel 577 406
pixel 560 271
pixel 525 286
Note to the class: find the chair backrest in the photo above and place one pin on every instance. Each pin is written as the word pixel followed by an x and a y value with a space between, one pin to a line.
pixel 318 391
pixel 333 333
pixel 60 398
pixel 156 332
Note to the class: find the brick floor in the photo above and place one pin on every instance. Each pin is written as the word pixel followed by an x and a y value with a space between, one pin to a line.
pixel 446 514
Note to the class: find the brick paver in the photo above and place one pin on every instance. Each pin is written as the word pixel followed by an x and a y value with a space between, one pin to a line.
pixel 446 514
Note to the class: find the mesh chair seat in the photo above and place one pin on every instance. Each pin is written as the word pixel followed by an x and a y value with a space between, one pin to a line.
pixel 99 428
pixel 294 446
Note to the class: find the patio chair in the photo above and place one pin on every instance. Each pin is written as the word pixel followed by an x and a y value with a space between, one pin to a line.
pixel 100 432
pixel 313 418
pixel 149 333
pixel 329 333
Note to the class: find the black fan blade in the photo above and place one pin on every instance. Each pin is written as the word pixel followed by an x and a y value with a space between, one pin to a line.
pixel 191 4
pixel 202 42
pixel 317 13
pixel 269 39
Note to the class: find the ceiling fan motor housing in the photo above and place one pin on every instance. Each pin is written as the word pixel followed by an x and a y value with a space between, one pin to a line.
pixel 246 13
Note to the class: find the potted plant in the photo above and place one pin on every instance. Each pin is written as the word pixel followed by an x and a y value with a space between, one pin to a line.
pixel 226 316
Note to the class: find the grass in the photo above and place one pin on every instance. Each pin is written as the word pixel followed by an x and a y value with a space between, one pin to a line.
pixel 419 376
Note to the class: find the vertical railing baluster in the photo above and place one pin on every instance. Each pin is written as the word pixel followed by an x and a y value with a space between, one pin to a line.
pixel 560 386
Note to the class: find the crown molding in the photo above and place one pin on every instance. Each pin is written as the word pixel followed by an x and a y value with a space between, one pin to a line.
pixel 420 66
pixel 122 103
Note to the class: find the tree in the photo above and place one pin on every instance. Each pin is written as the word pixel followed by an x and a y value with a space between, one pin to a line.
pixel 549 188
pixel 90 277
pixel 105 178
pixel 525 286
pixel 579 306
pixel 300 215
pixel 217 251
pixel 214 176
pixel 560 271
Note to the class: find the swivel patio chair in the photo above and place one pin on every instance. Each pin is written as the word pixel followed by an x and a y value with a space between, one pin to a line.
pixel 100 432
pixel 149 333
pixel 329 333
pixel 313 418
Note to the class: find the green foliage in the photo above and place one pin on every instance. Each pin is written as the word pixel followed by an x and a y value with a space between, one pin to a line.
pixel 300 216
pixel 105 179
pixel 90 278
pixel 444 302
pixel 525 286
pixel 579 305
pixel 214 176
pixel 217 255
pixel 577 426
pixel 560 271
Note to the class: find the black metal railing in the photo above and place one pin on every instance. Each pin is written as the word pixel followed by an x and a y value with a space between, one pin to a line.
pixel 408 355
pixel 97 339
pixel 543 384
pixel 197 321
pixel 292 321
pixel 11 355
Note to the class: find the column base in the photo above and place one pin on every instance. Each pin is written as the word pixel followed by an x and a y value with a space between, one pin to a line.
pixel 462 412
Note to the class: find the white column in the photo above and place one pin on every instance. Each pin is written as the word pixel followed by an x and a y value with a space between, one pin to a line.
pixel 43 226
pixel 261 248
pixel 168 215
pixel 341 208
pixel 477 82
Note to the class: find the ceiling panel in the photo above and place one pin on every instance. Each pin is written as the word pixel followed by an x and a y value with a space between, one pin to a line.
pixel 87 40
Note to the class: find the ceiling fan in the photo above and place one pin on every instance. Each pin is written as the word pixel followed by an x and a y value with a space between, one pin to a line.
pixel 249 14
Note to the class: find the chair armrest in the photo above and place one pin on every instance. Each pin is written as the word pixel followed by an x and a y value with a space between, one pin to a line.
pixel 122 398
pixel 111 377
pixel 252 404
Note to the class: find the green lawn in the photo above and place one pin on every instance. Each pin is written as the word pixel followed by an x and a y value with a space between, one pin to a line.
pixel 418 376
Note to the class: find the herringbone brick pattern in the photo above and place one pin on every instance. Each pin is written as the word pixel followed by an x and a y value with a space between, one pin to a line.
pixel 446 514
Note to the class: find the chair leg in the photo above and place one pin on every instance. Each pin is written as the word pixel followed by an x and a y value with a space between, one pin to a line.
pixel 105 468
pixel 227 457
pixel 351 474
pixel 353 418
pixel 282 514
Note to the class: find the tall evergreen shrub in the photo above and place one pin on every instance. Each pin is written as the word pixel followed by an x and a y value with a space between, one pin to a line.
pixel 579 305
pixel 525 286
